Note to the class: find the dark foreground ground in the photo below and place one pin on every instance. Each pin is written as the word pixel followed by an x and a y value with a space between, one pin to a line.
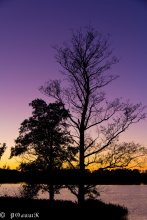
pixel 18 208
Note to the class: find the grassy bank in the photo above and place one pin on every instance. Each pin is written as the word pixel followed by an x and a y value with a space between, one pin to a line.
pixel 19 208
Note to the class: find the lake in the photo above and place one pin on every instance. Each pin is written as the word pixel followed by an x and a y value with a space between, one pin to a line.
pixel 134 197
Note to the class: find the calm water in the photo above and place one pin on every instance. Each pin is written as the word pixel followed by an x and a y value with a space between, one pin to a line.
pixel 134 197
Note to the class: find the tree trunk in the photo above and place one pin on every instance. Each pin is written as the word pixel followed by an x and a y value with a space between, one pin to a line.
pixel 51 192
pixel 81 193
pixel 51 168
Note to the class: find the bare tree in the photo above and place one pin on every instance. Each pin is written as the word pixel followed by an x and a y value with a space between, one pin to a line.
pixel 95 122
pixel 120 155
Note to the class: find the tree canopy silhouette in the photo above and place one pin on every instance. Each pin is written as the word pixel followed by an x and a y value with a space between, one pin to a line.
pixel 86 64
pixel 44 140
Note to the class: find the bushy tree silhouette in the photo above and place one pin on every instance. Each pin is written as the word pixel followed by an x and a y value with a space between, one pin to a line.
pixel 86 62
pixel 44 141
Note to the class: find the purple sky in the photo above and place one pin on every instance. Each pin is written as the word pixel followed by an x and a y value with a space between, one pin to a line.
pixel 29 29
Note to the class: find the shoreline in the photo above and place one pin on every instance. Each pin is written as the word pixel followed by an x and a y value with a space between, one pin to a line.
pixel 60 208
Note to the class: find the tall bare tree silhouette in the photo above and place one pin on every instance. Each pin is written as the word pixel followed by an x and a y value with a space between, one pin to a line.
pixel 86 63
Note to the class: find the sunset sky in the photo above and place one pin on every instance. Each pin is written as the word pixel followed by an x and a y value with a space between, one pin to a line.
pixel 30 28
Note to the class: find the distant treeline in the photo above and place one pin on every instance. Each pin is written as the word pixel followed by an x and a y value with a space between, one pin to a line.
pixel 73 177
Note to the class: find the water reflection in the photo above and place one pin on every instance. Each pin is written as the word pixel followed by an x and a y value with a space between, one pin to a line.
pixel 10 189
pixel 131 196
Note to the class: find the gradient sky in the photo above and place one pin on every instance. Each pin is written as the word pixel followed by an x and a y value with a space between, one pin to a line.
pixel 29 29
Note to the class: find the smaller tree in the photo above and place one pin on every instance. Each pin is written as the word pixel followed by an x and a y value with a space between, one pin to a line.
pixel 2 149
pixel 44 141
